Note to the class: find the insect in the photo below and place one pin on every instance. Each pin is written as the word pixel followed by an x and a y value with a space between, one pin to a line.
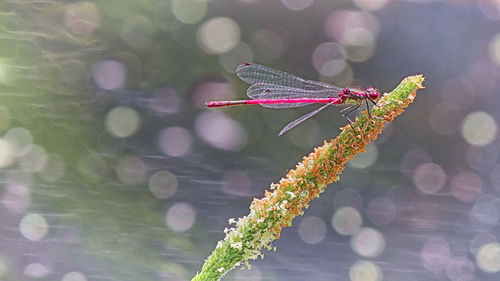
pixel 277 89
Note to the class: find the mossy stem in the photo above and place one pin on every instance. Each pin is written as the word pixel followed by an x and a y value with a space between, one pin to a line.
pixel 287 199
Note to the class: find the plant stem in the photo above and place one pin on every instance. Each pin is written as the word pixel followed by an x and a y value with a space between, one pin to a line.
pixel 308 180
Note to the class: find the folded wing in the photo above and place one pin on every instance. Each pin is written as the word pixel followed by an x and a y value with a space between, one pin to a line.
pixel 255 73
pixel 302 119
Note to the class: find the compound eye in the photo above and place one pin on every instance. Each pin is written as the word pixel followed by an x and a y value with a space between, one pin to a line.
pixel 374 95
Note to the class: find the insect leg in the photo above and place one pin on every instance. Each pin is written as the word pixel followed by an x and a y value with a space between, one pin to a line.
pixel 368 108
pixel 374 103
pixel 351 109
pixel 346 109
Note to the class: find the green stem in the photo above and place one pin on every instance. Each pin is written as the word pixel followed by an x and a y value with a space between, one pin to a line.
pixel 293 193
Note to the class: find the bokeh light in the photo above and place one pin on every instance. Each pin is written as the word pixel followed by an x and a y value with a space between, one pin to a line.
pixel 348 197
pixel 163 184
pixel 17 197
pixel 21 140
pixel 312 230
pixel 221 132
pixel 344 79
pixel 370 5
pixel 368 242
pixel 346 220
pixel 329 58
pixel 466 186
pixel 131 170
pixel 5 71
pixel 6 153
pixel 36 270
pixel 297 5
pixel 481 158
pixel 54 168
pixel 412 159
pixel 360 53
pixel 494 48
pixel 218 35
pixel 33 227
pixel 4 267
pixel 137 32
pixel 181 217
pixel 486 210
pixel 421 213
pixel 34 160
pixel 109 75
pixel 175 141
pixel 74 276
pixel 365 271
pixel 488 258
pixel 429 178
pixel 435 254
pixel 381 211
pixel 490 9
pixel 189 11
pixel 480 240
pixel 365 159
pixel 122 122
pixel 164 17
pixel 352 28
pixel 82 17
pixel 479 128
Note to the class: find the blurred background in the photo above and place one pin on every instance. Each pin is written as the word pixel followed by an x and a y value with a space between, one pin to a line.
pixel 111 168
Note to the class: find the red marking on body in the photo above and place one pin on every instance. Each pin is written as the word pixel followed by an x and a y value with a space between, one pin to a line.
pixel 333 100
pixel 246 63
pixel 301 100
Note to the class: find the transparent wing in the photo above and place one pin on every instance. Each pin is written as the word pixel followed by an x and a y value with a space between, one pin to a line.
pixel 302 119
pixel 270 91
pixel 255 73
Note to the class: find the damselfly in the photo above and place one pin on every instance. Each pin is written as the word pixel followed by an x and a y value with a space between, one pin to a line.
pixel 277 89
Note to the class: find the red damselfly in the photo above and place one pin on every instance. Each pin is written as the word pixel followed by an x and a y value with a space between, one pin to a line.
pixel 277 89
